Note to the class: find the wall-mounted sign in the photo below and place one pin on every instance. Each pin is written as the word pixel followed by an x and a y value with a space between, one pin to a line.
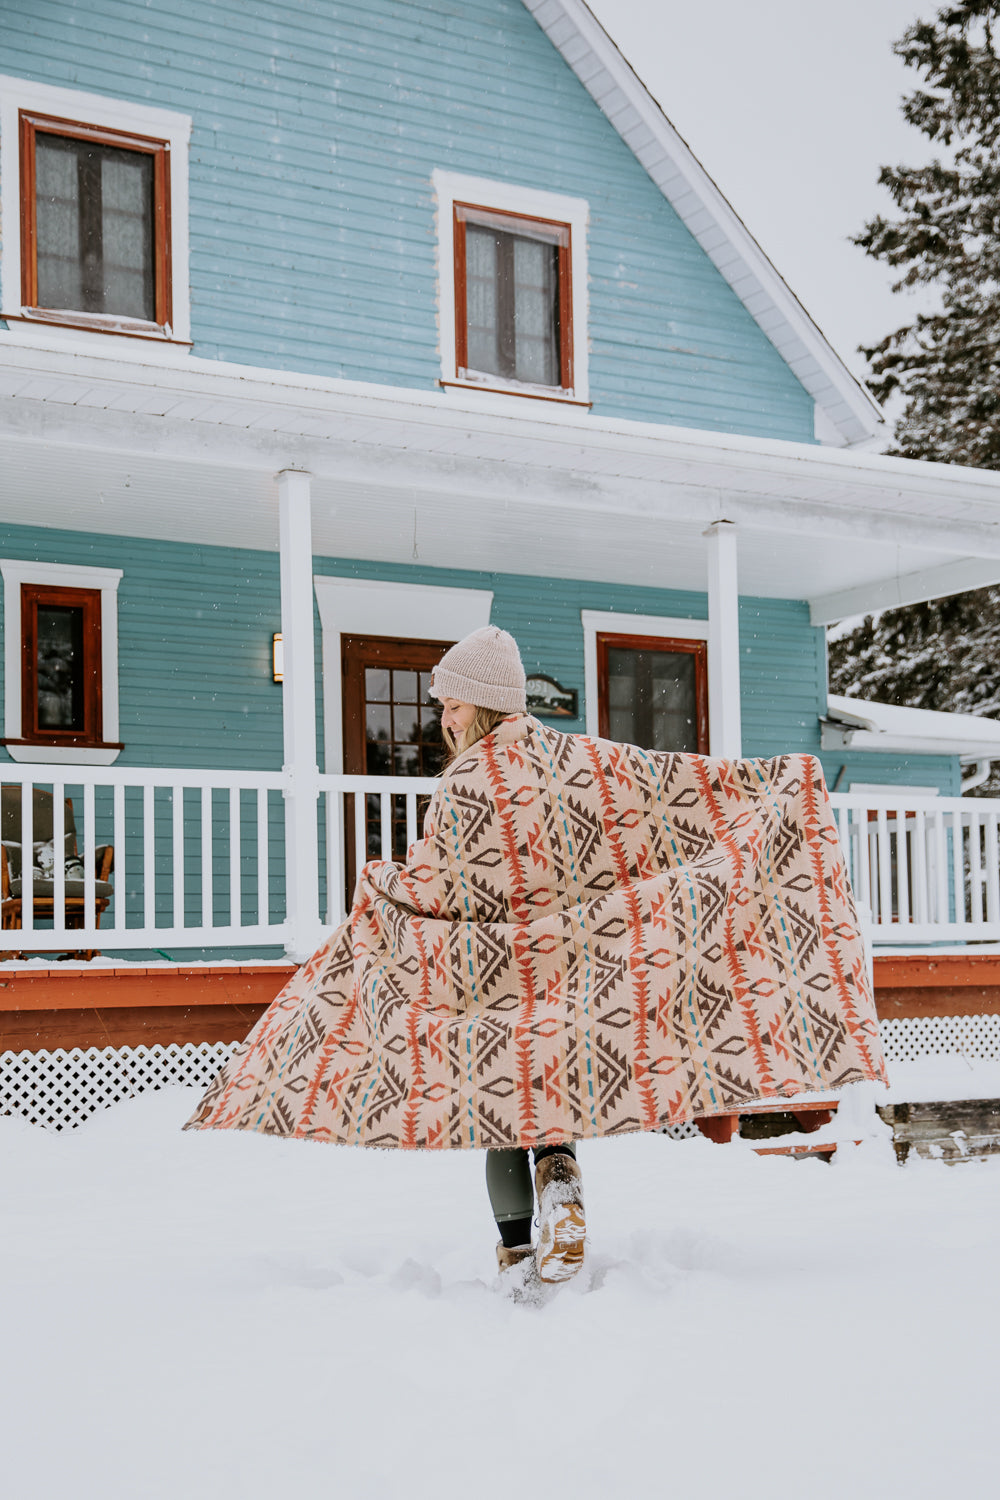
pixel 550 701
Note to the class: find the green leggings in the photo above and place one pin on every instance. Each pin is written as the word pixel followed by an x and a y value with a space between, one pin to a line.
pixel 509 1184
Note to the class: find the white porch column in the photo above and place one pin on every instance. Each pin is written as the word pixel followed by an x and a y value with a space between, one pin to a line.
pixel 724 727
pixel 299 710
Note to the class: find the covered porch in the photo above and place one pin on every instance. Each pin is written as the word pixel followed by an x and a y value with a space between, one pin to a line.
pixel 216 868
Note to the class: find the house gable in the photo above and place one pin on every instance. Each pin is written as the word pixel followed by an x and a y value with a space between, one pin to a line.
pixel 315 134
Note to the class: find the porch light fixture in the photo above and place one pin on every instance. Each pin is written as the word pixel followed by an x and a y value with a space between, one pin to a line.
pixel 278 658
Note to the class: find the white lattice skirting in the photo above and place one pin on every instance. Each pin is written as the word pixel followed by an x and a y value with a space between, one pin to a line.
pixel 920 1037
pixel 65 1088
pixel 60 1089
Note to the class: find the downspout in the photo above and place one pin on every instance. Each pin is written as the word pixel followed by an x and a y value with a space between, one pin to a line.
pixel 979 775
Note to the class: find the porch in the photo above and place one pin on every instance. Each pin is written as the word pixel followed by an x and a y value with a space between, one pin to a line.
pixel 217 869
pixel 205 925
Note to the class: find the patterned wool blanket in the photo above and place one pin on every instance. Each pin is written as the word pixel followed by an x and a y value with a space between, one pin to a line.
pixel 589 939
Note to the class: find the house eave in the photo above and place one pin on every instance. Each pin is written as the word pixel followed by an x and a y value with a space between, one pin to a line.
pixel 140 444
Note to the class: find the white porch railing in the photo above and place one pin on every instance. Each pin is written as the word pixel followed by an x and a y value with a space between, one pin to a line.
pixel 393 807
pixel 199 857
pixel 927 869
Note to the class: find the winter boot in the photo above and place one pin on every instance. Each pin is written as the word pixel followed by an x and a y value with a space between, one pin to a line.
pixel 518 1273
pixel 511 1255
pixel 562 1228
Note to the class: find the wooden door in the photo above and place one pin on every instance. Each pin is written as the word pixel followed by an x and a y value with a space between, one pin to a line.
pixel 392 726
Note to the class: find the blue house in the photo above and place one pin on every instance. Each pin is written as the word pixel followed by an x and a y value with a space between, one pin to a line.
pixel 330 333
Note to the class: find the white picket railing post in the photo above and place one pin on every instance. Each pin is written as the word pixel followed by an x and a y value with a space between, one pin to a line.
pixel 299 714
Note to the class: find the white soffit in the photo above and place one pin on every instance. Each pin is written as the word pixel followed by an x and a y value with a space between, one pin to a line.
pixel 118 442
pixel 640 121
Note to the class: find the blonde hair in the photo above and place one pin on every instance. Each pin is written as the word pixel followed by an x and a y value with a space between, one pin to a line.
pixel 484 721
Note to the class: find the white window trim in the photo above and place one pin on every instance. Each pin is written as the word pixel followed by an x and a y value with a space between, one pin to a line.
pixel 55 575
pixel 452 188
pixel 606 622
pixel 366 606
pixel 112 114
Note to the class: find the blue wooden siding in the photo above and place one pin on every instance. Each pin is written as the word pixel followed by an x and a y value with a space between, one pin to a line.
pixel 941 771
pixel 195 627
pixel 316 129
pixel 194 659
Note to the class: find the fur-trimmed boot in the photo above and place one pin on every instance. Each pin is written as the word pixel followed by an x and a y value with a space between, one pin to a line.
pixel 562 1228
pixel 518 1272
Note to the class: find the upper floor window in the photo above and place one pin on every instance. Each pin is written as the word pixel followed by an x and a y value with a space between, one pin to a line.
pixel 94 212
pixel 95 222
pixel 513 288
pixel 513 297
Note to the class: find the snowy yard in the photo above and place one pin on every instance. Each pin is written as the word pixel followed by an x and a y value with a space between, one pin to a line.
pixel 213 1315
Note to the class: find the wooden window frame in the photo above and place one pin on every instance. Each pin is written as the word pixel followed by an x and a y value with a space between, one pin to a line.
pixel 696 648
pixel 512 223
pixel 31 124
pixel 33 595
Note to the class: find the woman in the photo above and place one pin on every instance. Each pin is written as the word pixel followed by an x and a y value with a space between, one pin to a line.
pixel 590 939
pixel 478 682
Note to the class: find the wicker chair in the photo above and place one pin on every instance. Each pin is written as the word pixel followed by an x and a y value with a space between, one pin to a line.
pixel 43 888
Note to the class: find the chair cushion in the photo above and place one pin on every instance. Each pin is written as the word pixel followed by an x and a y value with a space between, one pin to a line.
pixel 74 888
pixel 43 859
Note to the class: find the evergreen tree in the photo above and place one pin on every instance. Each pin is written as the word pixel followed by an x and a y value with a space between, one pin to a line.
pixel 947 236
pixel 944 366
pixel 897 657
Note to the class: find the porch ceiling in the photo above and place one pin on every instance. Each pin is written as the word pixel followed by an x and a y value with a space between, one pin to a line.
pixel 124 446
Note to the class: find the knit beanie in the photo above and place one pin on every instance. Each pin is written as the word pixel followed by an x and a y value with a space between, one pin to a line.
pixel 484 669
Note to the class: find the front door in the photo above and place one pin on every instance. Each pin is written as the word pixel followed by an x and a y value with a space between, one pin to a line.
pixel 392 726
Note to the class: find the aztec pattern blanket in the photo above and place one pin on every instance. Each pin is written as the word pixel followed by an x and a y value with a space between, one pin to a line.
pixel 589 939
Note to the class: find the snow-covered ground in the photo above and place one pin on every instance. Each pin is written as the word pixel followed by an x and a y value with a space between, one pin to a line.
pixel 220 1315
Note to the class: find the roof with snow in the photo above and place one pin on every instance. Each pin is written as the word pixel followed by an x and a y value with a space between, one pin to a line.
pixel 851 414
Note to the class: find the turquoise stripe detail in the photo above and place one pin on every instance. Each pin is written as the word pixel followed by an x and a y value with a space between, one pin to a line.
pixel 692 1012
pixel 793 963
pixel 554 785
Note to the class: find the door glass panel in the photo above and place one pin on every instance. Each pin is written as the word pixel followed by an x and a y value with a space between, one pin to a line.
pixel 652 698
pixel 407 725
pixel 376 685
pixel 378 740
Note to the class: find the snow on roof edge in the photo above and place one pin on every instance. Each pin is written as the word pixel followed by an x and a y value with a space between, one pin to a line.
pixel 888 726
